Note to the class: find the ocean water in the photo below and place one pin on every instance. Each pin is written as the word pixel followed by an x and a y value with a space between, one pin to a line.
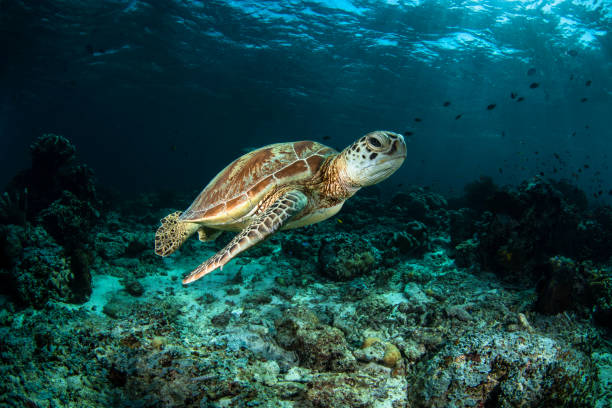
pixel 477 272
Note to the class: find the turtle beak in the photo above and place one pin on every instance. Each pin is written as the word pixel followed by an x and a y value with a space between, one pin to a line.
pixel 398 148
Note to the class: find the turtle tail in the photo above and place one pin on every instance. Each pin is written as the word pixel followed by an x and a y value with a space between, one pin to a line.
pixel 172 233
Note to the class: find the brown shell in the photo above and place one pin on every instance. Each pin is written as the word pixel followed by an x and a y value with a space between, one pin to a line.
pixel 241 185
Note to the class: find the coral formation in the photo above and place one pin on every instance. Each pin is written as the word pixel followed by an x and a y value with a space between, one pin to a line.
pixel 519 230
pixel 408 309
pixel 542 373
pixel 318 346
pixel 41 272
pixel 55 204
pixel 345 259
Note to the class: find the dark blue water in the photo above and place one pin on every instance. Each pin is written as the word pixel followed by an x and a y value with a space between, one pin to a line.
pixel 163 94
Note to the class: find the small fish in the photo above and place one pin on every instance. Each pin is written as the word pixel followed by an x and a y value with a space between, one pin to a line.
pixel 458 116
pixel 534 85
pixel 500 170
pixel 417 119
pixel 491 106
pixel 542 173
pixel 520 99
pixel 574 134
pixel 326 137
pixel 599 193
pixel 446 104
pixel 408 133
pixel 503 133
pixel 584 100
pixel 557 156
pixel 339 220
pixel 587 83
pixel 573 53
pixel 610 192
pixel 512 95
pixel 531 71
pixel 586 166
pixel 571 77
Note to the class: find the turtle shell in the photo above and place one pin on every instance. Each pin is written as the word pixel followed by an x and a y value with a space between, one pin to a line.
pixel 240 186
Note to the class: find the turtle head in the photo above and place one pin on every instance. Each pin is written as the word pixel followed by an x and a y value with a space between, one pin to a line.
pixel 373 158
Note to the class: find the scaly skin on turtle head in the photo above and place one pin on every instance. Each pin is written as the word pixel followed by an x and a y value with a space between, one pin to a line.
pixel 372 158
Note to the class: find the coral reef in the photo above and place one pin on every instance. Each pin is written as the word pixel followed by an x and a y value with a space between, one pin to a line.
pixel 345 259
pixel 55 205
pixel 507 369
pixel 410 308
pixel 41 271
pixel 519 230
pixel 318 346
pixel 54 170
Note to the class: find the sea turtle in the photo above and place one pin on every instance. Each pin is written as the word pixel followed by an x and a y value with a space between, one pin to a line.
pixel 279 186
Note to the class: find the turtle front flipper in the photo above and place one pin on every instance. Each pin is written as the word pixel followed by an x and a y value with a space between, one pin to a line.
pixel 172 233
pixel 264 225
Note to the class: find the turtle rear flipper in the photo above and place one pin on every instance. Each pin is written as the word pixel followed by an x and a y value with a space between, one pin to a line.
pixel 264 225
pixel 206 234
pixel 172 233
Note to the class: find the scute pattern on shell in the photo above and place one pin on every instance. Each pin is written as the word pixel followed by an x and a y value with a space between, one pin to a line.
pixel 240 184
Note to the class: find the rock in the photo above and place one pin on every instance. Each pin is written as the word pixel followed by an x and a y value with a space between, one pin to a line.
pixel 41 272
pixel 222 319
pixel 54 171
pixel 266 372
pixel 518 230
pixel 563 287
pixel 134 288
pixel 70 220
pixel 256 340
pixel 416 297
pixel 378 351
pixel 413 240
pixel 298 248
pixel 466 254
pixel 372 386
pixel 112 309
pixel 344 260
pixel 318 346
pixel 418 204
pixel 51 152
pixel 298 374
pixel 507 368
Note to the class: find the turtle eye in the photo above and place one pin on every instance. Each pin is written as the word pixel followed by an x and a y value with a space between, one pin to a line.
pixel 374 142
